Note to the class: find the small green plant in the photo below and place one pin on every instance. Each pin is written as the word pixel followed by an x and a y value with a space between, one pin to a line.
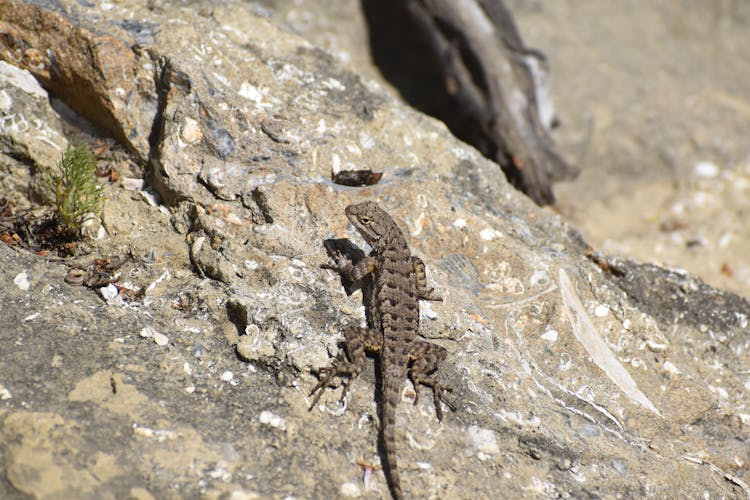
pixel 75 187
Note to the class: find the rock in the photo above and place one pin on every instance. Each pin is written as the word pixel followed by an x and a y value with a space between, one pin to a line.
pixel 31 134
pixel 101 76
pixel 30 129
pixel 22 281
pixel 482 441
pixel 250 206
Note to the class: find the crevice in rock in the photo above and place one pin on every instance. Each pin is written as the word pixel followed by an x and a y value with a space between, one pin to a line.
pixel 166 78
pixel 262 203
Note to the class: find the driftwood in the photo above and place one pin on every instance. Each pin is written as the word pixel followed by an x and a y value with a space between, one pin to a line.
pixel 496 84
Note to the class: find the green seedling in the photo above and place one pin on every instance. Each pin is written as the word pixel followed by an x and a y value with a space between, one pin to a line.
pixel 76 190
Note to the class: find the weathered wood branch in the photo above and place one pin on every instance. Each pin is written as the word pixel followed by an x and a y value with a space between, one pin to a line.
pixel 498 84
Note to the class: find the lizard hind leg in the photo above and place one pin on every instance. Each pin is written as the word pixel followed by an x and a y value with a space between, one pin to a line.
pixel 425 360
pixel 423 291
pixel 356 342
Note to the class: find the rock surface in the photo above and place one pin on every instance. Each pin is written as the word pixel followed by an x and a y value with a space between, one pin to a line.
pixel 568 381
pixel 31 133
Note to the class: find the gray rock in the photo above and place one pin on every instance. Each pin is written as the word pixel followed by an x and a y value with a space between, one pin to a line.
pixel 250 121
pixel 31 133
pixel 30 130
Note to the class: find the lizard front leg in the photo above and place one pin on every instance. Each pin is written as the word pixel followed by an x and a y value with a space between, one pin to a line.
pixel 350 361
pixel 344 253
pixel 425 359
pixel 354 272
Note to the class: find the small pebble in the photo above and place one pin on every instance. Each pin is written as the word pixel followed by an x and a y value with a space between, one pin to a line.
pixel 426 311
pixel 482 440
pixel 619 466
pixel 160 339
pixel 350 489
pixel 6 102
pixel 151 197
pixel 199 350
pixel 191 131
pixel 132 183
pixel 671 368
pixel 654 346
pixel 150 333
pixel 248 91
pixel 243 495
pixel 601 310
pixel 720 391
pixel 550 336
pixel 366 141
pixel 489 234
pixel 725 239
pixel 706 169
pixel 159 434
pixel 460 223
pixel 269 418
pixel 22 281
pixel 109 292
pixel 227 376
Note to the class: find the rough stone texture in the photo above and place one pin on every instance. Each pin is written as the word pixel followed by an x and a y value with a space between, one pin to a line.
pixel 31 133
pixel 31 130
pixel 248 123
pixel 96 73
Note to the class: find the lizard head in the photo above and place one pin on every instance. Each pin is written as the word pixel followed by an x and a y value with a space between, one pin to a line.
pixel 371 221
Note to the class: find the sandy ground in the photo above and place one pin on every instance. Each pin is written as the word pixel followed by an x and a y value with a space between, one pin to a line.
pixel 655 104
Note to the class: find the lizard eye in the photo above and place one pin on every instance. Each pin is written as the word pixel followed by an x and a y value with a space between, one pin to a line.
pixel 364 220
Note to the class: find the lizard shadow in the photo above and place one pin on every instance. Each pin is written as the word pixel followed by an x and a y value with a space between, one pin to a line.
pixel 345 253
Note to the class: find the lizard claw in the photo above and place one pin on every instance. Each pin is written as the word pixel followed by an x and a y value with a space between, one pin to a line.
pixel 332 267
pixel 438 395
pixel 416 394
pixel 327 373
pixel 339 367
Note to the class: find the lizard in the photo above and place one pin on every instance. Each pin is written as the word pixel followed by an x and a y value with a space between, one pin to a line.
pixel 392 281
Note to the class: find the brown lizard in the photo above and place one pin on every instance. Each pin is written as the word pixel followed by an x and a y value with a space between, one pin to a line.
pixel 393 281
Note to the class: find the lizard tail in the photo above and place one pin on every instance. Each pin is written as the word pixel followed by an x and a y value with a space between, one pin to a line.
pixel 388 428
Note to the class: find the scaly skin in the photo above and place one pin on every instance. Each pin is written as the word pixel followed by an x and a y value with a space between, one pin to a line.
pixel 396 315
pixel 397 281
